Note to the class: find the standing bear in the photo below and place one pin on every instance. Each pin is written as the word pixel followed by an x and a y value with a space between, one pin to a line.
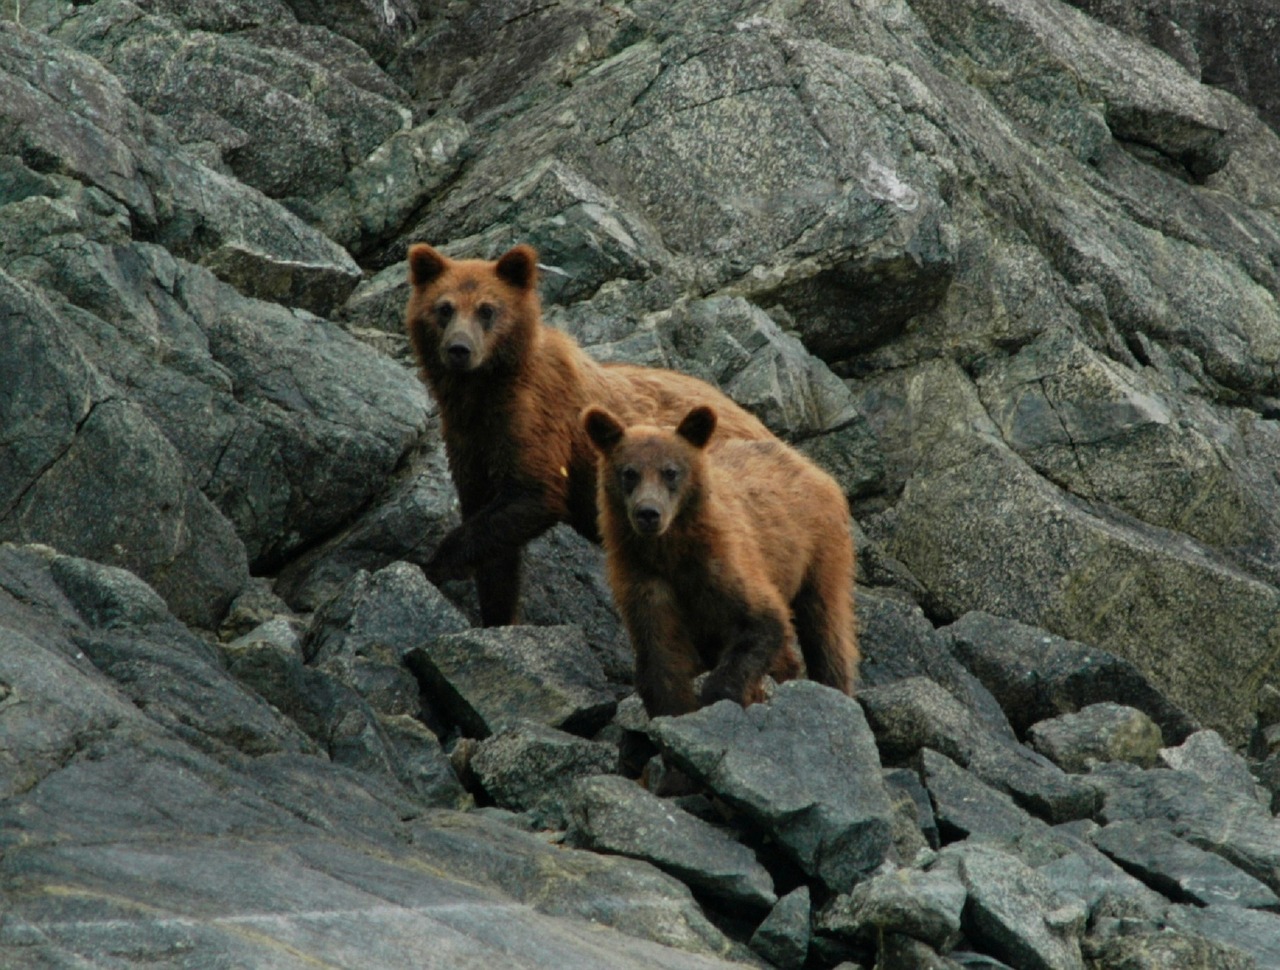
pixel 712 552
pixel 510 392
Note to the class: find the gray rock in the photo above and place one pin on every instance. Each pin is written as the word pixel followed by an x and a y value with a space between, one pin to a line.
pixel 1265 739
pixel 972 562
pixel 1014 913
pixel 925 905
pixel 1207 756
pixel 1036 675
pixel 1223 43
pixel 916 713
pixel 421 764
pixel 381 614
pixel 898 642
pixel 69 427
pixel 965 806
pixel 1167 949
pixel 783 937
pixel 1179 870
pixel 279 120
pixel 1098 733
pixel 529 767
pixel 628 895
pixel 802 768
pixel 406 523
pixel 1231 824
pixel 1237 931
pixel 740 348
pixel 910 797
pixel 378 195
pixel 616 815
pixel 483 680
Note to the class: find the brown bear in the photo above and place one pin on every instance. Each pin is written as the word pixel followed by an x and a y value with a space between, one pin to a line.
pixel 712 552
pixel 510 391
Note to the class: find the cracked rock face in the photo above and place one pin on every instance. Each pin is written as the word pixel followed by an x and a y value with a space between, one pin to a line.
pixel 1008 272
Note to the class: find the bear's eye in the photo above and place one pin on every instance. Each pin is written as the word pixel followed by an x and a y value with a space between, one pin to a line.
pixel 487 313
pixel 444 312
pixel 629 478
pixel 671 475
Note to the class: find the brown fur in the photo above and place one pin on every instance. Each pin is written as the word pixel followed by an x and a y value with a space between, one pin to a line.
pixel 510 406
pixel 713 553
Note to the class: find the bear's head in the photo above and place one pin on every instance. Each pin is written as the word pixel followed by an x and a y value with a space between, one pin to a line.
pixel 650 475
pixel 468 315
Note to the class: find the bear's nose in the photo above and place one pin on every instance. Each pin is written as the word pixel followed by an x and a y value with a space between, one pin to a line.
pixel 458 353
pixel 647 518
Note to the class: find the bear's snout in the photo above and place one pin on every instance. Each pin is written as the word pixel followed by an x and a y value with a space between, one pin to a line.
pixel 647 519
pixel 457 353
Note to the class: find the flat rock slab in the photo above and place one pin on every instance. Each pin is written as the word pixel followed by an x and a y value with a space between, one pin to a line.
pixel 484 680
pixel 612 814
pixel 803 767
pixel 1180 870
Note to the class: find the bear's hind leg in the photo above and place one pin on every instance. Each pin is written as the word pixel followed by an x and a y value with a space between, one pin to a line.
pixel 498 583
pixel 825 627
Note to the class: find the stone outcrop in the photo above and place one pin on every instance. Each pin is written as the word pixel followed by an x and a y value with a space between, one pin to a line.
pixel 1008 270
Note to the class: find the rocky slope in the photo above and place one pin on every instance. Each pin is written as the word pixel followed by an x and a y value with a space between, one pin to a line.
pixel 1008 268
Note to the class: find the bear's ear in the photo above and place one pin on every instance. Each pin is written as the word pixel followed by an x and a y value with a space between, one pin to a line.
pixel 697 426
pixel 425 264
pixel 519 267
pixel 604 430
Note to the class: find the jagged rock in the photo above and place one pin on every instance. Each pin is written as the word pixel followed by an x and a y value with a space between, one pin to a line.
pixel 421 763
pixel 965 806
pixel 1167 949
pixel 1236 930
pixel 384 613
pixel 1036 675
pixel 483 680
pixel 1232 824
pixel 783 937
pixel 1224 43
pixel 279 120
pixel 916 713
pixel 1012 565
pixel 905 789
pixel 529 767
pixel 1208 757
pixel 412 515
pixel 925 905
pixel 739 347
pixel 68 427
pixel 616 815
pixel 898 642
pixel 255 605
pixel 1099 732
pixel 1013 912
pixel 385 189
pixel 1179 870
pixel 802 768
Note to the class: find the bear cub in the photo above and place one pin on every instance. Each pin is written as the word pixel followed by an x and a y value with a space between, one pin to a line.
pixel 719 557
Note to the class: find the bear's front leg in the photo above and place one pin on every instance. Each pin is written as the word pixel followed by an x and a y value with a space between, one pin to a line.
pixel 495 532
pixel 753 648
